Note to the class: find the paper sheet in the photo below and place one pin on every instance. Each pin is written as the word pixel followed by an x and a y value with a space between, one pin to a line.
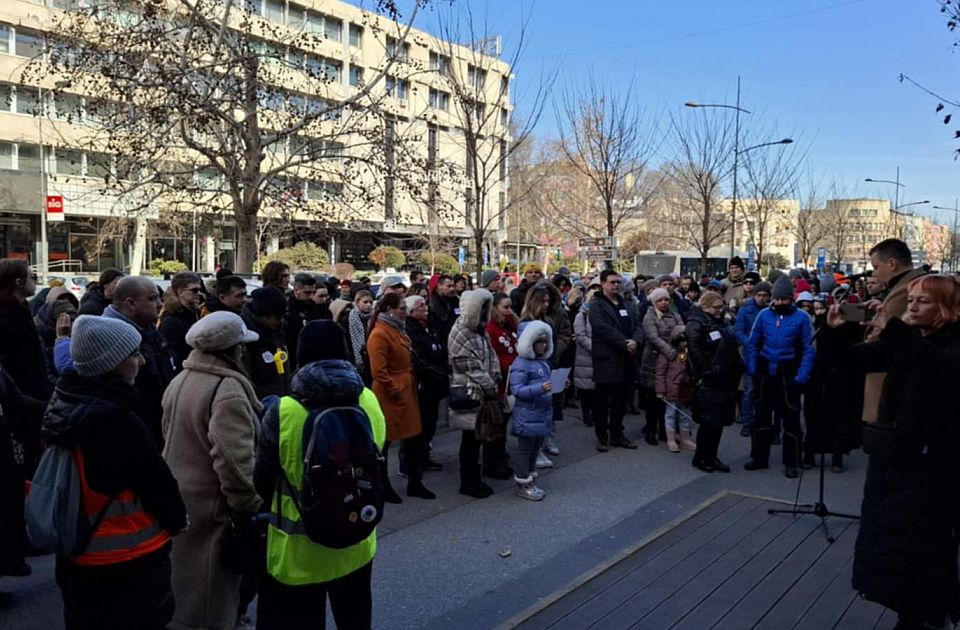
pixel 558 379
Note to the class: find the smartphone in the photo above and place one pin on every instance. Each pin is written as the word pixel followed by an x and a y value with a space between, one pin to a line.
pixel 855 312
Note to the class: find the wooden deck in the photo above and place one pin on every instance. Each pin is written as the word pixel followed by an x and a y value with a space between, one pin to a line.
pixel 730 565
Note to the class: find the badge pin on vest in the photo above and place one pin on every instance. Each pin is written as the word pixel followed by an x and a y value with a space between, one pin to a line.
pixel 368 514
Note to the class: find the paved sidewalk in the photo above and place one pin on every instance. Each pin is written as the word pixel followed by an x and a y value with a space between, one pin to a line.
pixel 445 563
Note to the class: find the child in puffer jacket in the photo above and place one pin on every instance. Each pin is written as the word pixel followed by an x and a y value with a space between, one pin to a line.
pixel 533 406
pixel 674 386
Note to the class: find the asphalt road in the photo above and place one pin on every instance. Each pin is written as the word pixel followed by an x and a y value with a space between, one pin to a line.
pixel 467 563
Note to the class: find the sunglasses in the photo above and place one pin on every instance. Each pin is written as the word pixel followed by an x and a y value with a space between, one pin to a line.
pixel 750 282
pixel 194 290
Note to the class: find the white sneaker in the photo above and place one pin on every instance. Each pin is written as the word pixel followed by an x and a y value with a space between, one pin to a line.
pixel 543 461
pixel 530 492
pixel 550 446
pixel 540 491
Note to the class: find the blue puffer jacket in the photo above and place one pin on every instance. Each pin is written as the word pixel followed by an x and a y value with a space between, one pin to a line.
pixel 776 340
pixel 533 409
pixel 745 317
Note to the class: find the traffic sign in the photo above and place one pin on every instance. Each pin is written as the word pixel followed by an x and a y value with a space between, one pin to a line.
pixel 821 257
pixel 599 253
pixel 603 241
pixel 54 208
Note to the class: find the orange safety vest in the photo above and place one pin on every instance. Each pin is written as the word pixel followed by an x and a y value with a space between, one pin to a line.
pixel 125 532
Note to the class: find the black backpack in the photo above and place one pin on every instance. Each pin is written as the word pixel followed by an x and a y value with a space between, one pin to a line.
pixel 342 497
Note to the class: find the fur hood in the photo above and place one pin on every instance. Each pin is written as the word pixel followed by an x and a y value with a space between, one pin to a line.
pixel 471 307
pixel 531 332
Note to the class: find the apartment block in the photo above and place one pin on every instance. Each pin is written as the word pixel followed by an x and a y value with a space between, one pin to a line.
pixel 44 155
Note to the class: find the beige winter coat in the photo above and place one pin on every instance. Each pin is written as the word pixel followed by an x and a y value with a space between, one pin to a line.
pixel 210 427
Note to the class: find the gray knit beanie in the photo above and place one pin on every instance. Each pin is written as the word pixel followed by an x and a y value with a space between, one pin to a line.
pixel 99 344
pixel 488 276
pixel 782 289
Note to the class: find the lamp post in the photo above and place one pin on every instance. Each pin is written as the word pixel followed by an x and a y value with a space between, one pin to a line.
pixel 953 235
pixel 896 190
pixel 44 256
pixel 737 152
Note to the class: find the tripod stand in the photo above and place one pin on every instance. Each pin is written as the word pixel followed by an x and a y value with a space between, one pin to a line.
pixel 818 509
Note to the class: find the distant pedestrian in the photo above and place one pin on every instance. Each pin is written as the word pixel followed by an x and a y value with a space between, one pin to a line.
pixel 583 367
pixel 658 326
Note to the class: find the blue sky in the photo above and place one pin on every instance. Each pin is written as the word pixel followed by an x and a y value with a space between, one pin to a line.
pixel 824 70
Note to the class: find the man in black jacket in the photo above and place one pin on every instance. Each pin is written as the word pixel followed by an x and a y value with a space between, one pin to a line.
pixel 136 302
pixel 532 274
pixel 300 309
pixel 444 310
pixel 95 301
pixel 617 335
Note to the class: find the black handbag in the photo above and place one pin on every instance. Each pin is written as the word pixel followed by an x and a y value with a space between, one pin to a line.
pixel 463 398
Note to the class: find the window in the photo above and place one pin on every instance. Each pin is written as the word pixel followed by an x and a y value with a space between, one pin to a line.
pixel 439 100
pixel 389 136
pixel 503 160
pixel 6 97
pixel 6 155
pixel 333 29
pixel 440 63
pixel 432 134
pixel 397 88
pixel 28 43
pixel 356 35
pixel 323 68
pixel 273 10
pixel 4 38
pixel 28 158
pixel 396 51
pixel 504 85
pixel 318 24
pixel 476 78
pixel 27 101
pixel 98 165
pixel 504 118
pixel 68 106
pixel 324 191
pixel 69 162
pixel 356 75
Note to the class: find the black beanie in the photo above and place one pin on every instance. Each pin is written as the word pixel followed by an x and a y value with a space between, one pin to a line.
pixel 268 301
pixel 736 261
pixel 782 288
pixel 321 339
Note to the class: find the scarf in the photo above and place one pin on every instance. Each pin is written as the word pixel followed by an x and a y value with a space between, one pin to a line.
pixel 358 335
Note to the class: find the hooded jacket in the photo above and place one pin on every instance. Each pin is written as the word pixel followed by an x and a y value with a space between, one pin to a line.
pixel 94 302
pixel 473 362
pixel 100 416
pixel 715 361
pixel 503 339
pixel 318 385
pixel 781 344
pixel 563 354
pixel 657 328
pixel 533 410
pixel 259 359
pixel 583 367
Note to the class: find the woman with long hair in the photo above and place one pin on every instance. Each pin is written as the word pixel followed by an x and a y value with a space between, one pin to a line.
pixel 357 328
pixel 502 331
pixel 395 384
pixel 906 551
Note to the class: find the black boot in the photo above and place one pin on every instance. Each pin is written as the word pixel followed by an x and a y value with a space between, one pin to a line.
pixel 389 494
pixel 836 463
pixel 471 483
pixel 415 488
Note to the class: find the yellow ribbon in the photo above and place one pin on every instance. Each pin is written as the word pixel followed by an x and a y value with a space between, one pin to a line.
pixel 279 358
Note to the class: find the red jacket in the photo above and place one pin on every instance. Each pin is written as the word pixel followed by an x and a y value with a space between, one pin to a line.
pixel 504 342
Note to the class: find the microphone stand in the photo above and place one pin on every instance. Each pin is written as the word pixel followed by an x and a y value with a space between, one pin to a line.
pixel 818 509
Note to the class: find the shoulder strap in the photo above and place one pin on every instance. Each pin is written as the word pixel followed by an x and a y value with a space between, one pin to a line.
pixel 81 546
pixel 213 396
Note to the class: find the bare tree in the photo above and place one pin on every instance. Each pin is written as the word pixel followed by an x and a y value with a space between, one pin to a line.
pixel 811 227
pixel 193 98
pixel 770 177
pixel 841 230
pixel 609 140
pixel 703 159
pixel 480 87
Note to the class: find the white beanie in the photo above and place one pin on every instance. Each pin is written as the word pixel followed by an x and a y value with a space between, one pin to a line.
pixel 658 294
pixel 99 344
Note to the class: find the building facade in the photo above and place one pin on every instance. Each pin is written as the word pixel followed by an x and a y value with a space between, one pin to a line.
pixel 44 152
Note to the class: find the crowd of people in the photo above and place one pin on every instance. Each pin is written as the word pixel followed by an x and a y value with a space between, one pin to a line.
pixel 193 407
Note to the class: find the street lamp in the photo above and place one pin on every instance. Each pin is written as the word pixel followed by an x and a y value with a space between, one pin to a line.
pixel 953 235
pixel 737 152
pixel 44 259
pixel 896 194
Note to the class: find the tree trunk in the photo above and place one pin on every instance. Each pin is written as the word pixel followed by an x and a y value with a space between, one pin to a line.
pixel 478 243
pixel 245 244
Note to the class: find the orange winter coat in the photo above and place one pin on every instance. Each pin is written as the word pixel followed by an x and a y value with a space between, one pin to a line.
pixel 394 382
